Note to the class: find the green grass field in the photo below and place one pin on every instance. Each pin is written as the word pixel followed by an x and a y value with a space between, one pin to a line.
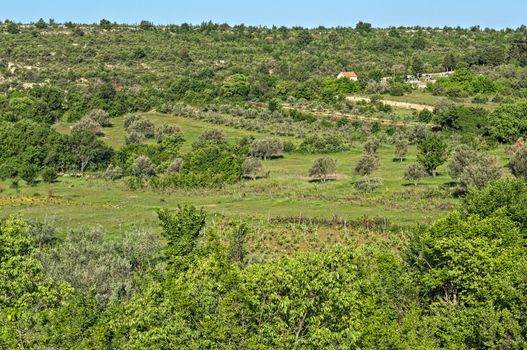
pixel 74 202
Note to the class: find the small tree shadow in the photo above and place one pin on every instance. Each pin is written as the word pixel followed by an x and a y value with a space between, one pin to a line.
pixel 322 181
pixel 398 160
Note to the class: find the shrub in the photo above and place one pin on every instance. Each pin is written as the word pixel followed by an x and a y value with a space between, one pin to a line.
pixel 164 130
pixel 289 146
pixel 325 143
pixel 414 173
pixel 143 167
pixel 99 116
pixel 133 137
pixel 28 173
pixel 213 135
pixel 371 146
pixel 266 148
pixel 480 173
pixel 89 125
pixel 366 165
pixel 252 167
pixel 142 126
pixel 174 166
pixel 367 185
pixel 323 168
pixel 113 173
pixel 130 119
pixel 49 174
pixel 518 163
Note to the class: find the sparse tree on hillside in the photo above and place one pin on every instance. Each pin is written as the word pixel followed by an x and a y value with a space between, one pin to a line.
pixel 143 167
pixel 266 148
pixel 372 144
pixel 323 168
pixel 252 167
pixel 518 163
pixel 366 165
pixel 414 173
pixel 432 152
pixel 401 147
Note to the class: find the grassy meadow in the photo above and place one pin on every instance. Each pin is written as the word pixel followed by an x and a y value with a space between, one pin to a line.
pixel 288 192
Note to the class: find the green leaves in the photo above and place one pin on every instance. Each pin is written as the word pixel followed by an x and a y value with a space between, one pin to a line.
pixel 181 229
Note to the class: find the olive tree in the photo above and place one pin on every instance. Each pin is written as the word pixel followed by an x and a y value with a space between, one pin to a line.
pixel 518 163
pixel 414 173
pixel 323 168
pixel 401 147
pixel 366 165
pixel 252 167
pixel 266 148
pixel 143 167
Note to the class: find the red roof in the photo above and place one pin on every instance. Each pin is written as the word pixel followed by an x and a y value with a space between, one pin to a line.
pixel 349 74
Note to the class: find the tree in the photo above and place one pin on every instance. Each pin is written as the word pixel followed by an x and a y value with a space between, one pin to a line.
pixel 164 130
pixel 414 173
pixel 432 151
pixel 13 28
pixel 41 24
pixel 266 148
pixel 182 229
pixel 143 167
pixel 133 137
pixel 417 66
pixel 87 124
pixel 105 24
pixel 449 62
pixel 518 49
pixel 252 167
pixel 49 174
pixel 237 249
pixel 363 27
pixel 28 173
pixel 84 149
pixel 323 168
pixel 100 116
pixel 463 156
pixel 213 135
pixel 366 165
pixel 372 144
pixel 518 163
pixel 142 126
pixel 480 173
pixel 401 147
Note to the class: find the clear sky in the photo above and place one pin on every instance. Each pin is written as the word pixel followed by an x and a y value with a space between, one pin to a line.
pixel 310 13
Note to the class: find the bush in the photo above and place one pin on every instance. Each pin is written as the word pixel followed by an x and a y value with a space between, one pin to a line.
pixel 49 174
pixel 28 173
pixel 175 166
pixel 371 146
pixel 323 168
pixel 89 125
pixel 367 185
pixel 325 143
pixel 99 116
pixel 366 165
pixel 414 173
pixel 130 119
pixel 266 148
pixel 480 173
pixel 289 146
pixel 113 173
pixel 165 130
pixel 142 126
pixel 252 167
pixel 518 163
pixel 143 167
pixel 133 137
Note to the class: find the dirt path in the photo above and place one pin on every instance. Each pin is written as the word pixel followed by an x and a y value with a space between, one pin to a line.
pixel 396 104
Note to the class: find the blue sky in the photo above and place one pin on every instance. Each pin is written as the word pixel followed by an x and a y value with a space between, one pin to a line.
pixel 310 13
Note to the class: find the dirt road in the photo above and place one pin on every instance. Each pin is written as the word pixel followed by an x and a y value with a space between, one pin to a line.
pixel 396 104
